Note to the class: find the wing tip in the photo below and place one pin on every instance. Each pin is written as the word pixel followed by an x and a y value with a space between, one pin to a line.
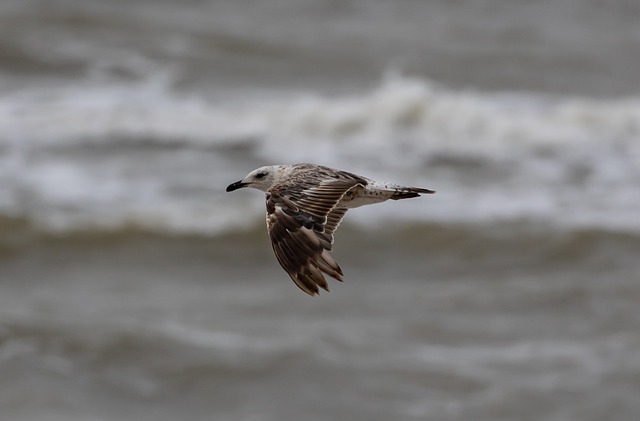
pixel 410 192
pixel 311 279
pixel 419 190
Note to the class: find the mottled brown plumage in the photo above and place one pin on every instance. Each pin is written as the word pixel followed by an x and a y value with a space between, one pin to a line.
pixel 305 204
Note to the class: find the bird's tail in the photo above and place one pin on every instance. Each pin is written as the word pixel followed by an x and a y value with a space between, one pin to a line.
pixel 409 192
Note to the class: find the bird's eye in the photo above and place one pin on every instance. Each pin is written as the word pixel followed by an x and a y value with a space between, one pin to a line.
pixel 261 175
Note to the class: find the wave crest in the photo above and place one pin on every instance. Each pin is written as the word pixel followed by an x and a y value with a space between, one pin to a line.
pixel 145 156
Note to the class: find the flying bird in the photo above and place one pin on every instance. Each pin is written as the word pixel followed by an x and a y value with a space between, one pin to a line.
pixel 305 205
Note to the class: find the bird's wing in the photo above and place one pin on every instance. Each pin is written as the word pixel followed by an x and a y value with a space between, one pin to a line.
pixel 333 220
pixel 301 220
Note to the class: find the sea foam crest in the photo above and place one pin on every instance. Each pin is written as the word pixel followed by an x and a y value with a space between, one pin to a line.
pixel 458 118
pixel 143 155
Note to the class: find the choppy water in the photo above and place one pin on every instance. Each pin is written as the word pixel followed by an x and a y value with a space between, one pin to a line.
pixel 133 287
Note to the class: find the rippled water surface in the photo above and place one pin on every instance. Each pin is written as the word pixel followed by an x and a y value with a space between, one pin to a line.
pixel 133 287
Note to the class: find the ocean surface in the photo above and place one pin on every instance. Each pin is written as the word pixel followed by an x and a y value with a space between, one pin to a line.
pixel 133 287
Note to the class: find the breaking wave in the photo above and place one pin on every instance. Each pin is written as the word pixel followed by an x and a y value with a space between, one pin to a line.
pixel 146 156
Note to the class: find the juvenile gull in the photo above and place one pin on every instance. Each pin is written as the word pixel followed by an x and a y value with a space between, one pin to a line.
pixel 305 205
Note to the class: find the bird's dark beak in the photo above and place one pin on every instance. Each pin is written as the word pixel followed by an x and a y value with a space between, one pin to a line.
pixel 237 185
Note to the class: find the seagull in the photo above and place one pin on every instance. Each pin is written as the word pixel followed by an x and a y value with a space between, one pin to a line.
pixel 305 205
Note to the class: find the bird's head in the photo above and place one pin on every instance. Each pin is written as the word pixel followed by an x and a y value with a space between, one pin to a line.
pixel 261 178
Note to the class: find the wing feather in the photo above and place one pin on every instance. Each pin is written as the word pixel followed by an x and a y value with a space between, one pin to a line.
pixel 301 220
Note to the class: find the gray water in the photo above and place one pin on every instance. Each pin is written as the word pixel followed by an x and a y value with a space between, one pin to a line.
pixel 133 287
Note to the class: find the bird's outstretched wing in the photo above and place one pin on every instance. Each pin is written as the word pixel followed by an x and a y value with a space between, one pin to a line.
pixel 301 220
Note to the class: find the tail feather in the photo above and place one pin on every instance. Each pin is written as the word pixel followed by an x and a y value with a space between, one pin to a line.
pixel 409 192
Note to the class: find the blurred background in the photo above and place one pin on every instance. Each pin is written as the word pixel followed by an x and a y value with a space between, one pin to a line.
pixel 133 287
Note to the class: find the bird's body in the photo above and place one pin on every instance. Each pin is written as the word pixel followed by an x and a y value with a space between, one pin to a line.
pixel 305 205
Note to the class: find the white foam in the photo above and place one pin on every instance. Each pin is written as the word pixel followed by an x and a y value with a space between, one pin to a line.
pixel 490 156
